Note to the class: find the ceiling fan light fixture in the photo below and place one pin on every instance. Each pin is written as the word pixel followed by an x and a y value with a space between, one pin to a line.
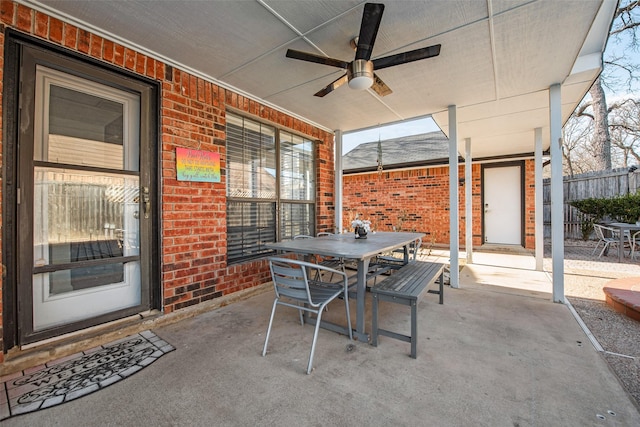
pixel 360 74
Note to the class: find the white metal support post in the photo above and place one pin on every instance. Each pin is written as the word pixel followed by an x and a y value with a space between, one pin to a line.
pixel 557 207
pixel 337 193
pixel 539 217
pixel 454 274
pixel 468 201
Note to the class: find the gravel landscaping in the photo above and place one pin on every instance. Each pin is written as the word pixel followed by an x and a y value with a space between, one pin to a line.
pixel 619 335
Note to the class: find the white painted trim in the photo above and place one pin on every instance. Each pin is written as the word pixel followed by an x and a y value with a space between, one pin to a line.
pixel 589 62
pixel 439 165
pixel 557 206
pixel 454 230
pixel 397 122
pixel 595 42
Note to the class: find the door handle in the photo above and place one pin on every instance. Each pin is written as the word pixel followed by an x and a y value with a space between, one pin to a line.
pixel 146 202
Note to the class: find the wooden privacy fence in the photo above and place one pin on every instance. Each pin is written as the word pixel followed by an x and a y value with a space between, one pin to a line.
pixel 605 184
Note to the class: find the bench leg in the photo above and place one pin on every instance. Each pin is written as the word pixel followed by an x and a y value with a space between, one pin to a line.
pixel 374 321
pixel 414 328
pixel 441 287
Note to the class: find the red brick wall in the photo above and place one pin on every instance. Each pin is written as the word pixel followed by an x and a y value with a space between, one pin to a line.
pixel 192 114
pixel 529 205
pixel 2 13
pixel 418 200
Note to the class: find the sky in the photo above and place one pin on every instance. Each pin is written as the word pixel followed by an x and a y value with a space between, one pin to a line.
pixel 614 50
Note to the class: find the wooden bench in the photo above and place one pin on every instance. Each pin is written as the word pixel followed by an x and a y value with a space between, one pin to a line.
pixel 406 286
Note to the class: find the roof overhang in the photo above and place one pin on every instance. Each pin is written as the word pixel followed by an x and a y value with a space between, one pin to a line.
pixel 498 58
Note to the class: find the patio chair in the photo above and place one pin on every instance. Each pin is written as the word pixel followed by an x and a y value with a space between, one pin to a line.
pixel 388 262
pixel 337 263
pixel 294 289
pixel 635 241
pixel 331 262
pixel 301 236
pixel 607 236
pixel 394 259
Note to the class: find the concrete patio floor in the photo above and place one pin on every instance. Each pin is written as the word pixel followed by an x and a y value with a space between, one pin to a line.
pixel 490 356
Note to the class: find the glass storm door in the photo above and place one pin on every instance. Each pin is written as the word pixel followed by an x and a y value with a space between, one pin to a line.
pixel 86 201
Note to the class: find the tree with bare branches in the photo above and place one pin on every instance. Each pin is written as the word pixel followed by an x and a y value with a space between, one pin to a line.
pixel 620 74
pixel 576 148
pixel 624 125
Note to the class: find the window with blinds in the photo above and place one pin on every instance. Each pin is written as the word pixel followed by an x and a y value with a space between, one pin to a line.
pixel 297 186
pixel 270 187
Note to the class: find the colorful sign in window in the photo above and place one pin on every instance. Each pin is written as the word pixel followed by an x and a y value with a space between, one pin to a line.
pixel 196 165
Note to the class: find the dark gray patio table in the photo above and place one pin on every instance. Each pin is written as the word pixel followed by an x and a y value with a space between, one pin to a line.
pixel 360 250
pixel 622 227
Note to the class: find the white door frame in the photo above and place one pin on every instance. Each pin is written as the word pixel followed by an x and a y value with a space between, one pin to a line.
pixel 21 329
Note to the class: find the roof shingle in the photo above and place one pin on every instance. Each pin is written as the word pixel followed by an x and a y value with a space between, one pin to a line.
pixel 398 152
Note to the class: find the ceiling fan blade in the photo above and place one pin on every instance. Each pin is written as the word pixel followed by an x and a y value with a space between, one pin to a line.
pixel 310 57
pixel 371 18
pixel 380 87
pixel 403 58
pixel 332 86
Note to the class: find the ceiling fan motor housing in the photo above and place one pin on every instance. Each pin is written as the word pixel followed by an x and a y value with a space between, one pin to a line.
pixel 360 74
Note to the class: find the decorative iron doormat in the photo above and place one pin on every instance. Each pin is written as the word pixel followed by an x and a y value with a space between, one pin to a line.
pixel 75 376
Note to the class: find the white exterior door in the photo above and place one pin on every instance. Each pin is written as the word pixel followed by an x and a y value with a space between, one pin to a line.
pixel 503 205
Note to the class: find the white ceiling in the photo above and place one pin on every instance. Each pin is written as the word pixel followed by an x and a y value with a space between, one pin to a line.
pixel 498 57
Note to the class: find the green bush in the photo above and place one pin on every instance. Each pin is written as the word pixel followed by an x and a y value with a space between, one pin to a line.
pixel 620 209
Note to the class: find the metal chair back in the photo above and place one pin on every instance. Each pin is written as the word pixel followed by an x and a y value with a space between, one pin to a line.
pixel 294 289
pixel 607 236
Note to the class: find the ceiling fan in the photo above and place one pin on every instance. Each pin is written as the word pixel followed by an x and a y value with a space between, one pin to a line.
pixel 360 73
